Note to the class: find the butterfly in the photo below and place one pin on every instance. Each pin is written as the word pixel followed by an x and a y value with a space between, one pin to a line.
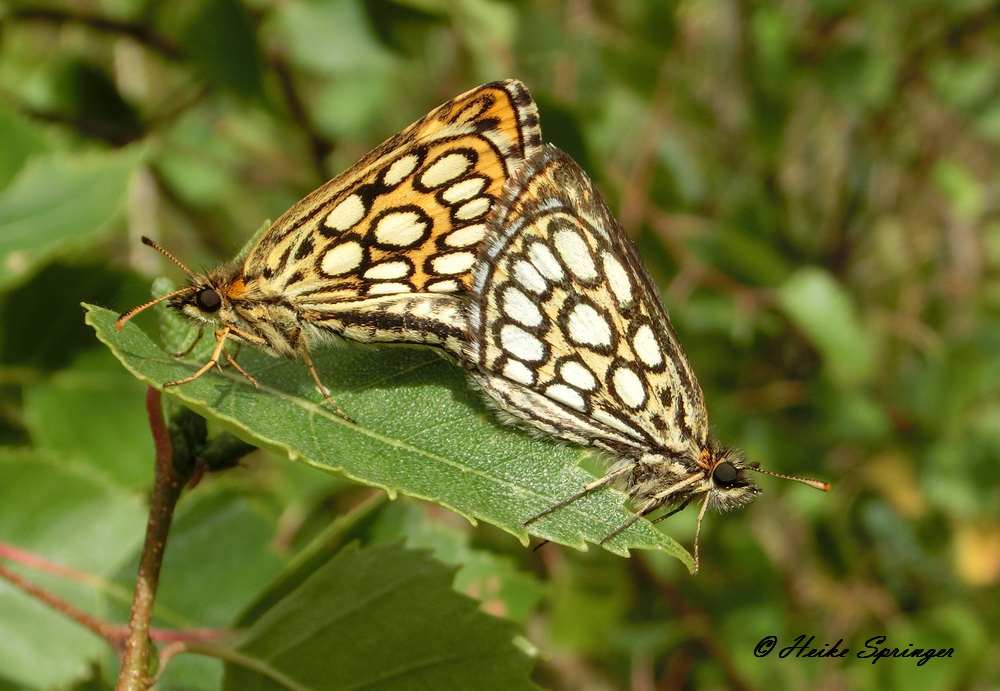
pixel 377 253
pixel 566 333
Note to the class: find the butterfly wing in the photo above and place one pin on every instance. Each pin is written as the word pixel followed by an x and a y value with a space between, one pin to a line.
pixel 566 328
pixel 407 218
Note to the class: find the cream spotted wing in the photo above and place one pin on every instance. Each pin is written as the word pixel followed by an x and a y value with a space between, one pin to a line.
pixel 567 323
pixel 383 251
pixel 567 334
pixel 406 220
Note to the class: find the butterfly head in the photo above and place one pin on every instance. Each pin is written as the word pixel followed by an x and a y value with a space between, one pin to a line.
pixel 726 478
pixel 207 298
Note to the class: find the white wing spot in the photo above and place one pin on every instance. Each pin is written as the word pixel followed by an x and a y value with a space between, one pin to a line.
pixel 546 262
pixel 529 278
pixel 346 214
pixel 453 263
pixel 520 308
pixel 628 387
pixel 466 189
pixel 646 346
pixel 618 279
pixel 517 372
pixel 575 374
pixel 384 270
pixel 564 394
pixel 587 327
pixel 342 259
pixel 389 288
pixel 444 170
pixel 400 228
pixel 463 237
pixel 400 169
pixel 447 286
pixel 521 344
pixel 474 208
pixel 575 254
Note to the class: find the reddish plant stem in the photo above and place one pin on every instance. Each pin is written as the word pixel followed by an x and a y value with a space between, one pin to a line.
pixel 35 562
pixel 167 488
pixel 108 631
pixel 115 634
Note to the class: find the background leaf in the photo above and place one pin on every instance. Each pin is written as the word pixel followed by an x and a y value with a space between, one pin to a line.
pixel 57 204
pixel 41 500
pixel 388 619
pixel 822 309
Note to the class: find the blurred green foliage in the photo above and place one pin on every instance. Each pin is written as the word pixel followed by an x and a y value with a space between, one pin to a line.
pixel 814 186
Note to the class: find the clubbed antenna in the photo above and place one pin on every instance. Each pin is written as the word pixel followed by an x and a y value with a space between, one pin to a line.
pixel 125 316
pixel 817 484
pixel 175 260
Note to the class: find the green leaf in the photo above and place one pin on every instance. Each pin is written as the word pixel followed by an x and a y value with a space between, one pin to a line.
pixel 22 139
pixel 85 93
pixel 494 579
pixel 93 414
pixel 216 534
pixel 379 618
pixel 401 26
pixel 42 328
pixel 819 305
pixel 58 204
pixel 421 430
pixel 77 519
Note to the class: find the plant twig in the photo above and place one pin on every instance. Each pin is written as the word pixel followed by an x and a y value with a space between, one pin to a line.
pixel 138 32
pixel 115 634
pixel 110 632
pixel 169 483
pixel 33 561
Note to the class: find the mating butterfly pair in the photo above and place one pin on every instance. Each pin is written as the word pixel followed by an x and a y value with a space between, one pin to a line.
pixel 464 232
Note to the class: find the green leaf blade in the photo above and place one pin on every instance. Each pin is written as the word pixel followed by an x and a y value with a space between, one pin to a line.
pixel 59 203
pixel 379 618
pixel 422 432
pixel 820 306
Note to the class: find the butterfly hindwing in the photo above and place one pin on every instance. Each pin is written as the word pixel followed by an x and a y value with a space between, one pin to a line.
pixel 563 309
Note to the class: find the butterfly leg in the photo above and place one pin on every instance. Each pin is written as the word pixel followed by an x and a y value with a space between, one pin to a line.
pixel 201 332
pixel 672 511
pixel 610 477
pixel 231 360
pixel 220 344
pixel 306 358
pixel 697 530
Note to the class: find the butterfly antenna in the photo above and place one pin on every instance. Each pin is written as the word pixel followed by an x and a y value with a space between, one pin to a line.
pixel 175 260
pixel 125 316
pixel 817 484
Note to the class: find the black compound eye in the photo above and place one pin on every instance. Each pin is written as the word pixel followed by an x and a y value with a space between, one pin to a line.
pixel 208 300
pixel 725 473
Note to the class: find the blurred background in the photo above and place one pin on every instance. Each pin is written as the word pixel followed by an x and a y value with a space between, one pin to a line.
pixel 814 186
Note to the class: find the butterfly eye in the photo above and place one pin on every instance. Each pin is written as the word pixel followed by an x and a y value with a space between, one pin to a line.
pixel 725 473
pixel 208 300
